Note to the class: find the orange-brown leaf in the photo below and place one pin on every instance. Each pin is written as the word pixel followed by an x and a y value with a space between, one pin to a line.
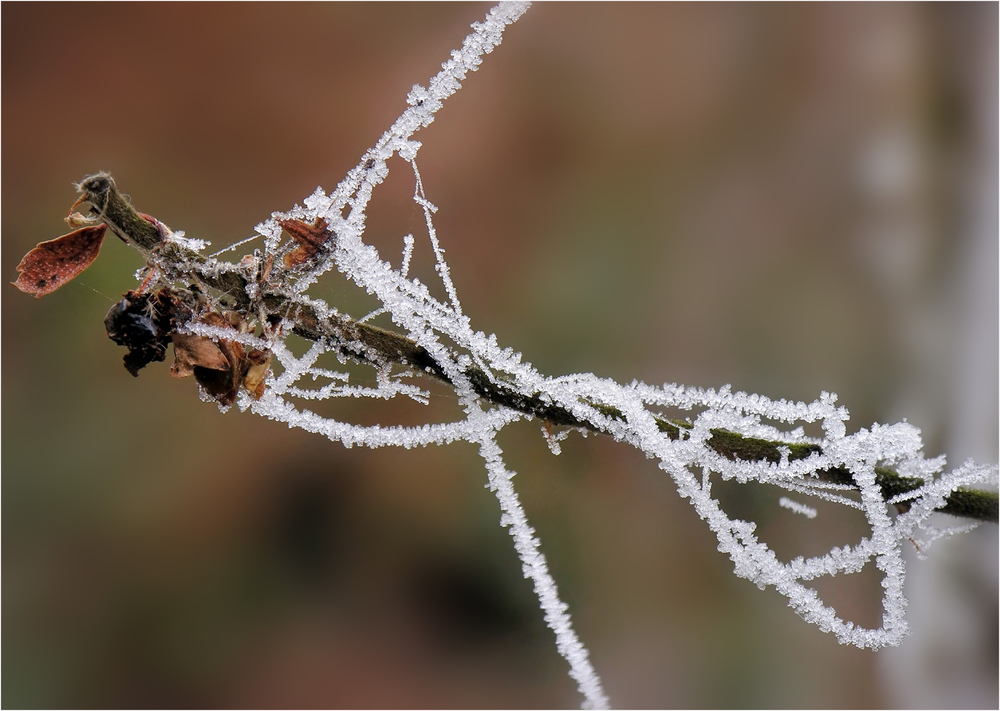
pixel 51 264
pixel 309 238
pixel 258 363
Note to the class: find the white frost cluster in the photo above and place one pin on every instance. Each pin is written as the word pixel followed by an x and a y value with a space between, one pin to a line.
pixel 793 505
pixel 445 332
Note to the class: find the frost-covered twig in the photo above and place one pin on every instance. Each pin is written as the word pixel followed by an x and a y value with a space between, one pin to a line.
pixel 228 323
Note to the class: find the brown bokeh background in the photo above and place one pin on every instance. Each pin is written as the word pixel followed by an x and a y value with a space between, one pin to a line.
pixel 787 198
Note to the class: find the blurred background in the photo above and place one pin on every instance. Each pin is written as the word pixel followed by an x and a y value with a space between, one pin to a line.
pixel 787 198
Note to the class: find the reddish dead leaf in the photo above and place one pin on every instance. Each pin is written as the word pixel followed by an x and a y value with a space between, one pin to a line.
pixel 51 264
pixel 310 239
pixel 161 229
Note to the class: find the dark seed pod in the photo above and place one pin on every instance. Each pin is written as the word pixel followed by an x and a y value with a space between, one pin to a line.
pixel 143 323
pixel 129 324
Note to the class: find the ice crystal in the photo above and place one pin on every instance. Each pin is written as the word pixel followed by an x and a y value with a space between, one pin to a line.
pixel 793 505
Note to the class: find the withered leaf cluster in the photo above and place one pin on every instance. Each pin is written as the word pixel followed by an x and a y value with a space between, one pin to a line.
pixel 147 323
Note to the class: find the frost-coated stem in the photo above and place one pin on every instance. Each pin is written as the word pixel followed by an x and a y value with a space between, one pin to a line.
pixel 380 347
pixel 534 566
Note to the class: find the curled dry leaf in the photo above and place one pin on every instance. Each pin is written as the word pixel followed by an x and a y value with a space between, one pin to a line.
pixel 51 264
pixel 196 351
pixel 309 238
pixel 259 362
pixel 221 384
pixel 221 367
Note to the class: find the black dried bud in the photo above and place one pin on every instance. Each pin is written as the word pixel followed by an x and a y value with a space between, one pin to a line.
pixel 143 323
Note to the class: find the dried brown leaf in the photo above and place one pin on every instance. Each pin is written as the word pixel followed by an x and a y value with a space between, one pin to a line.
pixel 258 364
pixel 223 384
pixel 192 351
pixel 309 238
pixel 51 264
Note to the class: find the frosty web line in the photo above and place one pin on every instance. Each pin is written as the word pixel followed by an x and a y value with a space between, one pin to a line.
pixel 229 323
